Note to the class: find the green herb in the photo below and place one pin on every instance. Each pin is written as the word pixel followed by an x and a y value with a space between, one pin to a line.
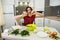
pixel 24 33
pixel 15 32
pixel 57 38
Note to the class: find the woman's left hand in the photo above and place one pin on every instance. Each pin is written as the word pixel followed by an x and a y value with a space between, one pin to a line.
pixel 32 12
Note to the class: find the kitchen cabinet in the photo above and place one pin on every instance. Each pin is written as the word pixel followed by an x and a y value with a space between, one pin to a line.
pixel 52 23
pixel 39 22
pixel 47 22
pixel 8 6
pixel 54 2
pixel 10 21
pixel 39 5
pixel 55 24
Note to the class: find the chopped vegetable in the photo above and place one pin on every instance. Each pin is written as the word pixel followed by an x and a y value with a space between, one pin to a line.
pixel 24 33
pixel 31 27
pixel 15 32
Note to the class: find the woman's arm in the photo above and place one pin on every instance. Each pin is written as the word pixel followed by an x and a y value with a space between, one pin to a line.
pixel 37 14
pixel 18 17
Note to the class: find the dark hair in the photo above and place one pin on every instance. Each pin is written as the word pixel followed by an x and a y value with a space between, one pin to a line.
pixel 28 7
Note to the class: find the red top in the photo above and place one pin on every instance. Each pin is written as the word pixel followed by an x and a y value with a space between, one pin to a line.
pixel 29 20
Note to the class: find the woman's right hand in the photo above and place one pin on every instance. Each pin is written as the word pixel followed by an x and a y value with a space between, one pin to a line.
pixel 24 14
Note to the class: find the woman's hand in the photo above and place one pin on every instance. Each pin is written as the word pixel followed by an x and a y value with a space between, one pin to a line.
pixel 33 12
pixel 24 14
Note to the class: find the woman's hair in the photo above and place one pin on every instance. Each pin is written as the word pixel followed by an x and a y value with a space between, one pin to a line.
pixel 27 8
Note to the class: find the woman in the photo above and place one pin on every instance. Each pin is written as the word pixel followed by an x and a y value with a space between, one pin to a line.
pixel 29 16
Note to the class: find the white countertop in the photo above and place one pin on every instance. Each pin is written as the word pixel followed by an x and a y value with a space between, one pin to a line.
pixel 31 37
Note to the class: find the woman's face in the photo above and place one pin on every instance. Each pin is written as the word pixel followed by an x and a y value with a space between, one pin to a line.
pixel 28 10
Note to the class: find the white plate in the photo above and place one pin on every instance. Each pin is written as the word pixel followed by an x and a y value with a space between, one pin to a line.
pixel 18 27
pixel 42 34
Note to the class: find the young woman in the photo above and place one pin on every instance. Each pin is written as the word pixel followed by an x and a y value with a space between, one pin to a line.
pixel 29 16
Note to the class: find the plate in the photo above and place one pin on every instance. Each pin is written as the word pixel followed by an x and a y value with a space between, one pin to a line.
pixel 42 34
pixel 18 27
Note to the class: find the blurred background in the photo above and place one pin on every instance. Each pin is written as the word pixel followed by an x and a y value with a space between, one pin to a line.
pixel 51 9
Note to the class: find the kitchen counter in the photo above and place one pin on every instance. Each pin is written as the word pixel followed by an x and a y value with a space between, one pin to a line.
pixel 53 18
pixel 33 36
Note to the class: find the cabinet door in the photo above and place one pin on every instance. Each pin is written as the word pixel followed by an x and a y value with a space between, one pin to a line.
pixel 55 24
pixel 8 6
pixel 10 21
pixel 39 5
pixel 47 22
pixel 39 22
pixel 54 2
